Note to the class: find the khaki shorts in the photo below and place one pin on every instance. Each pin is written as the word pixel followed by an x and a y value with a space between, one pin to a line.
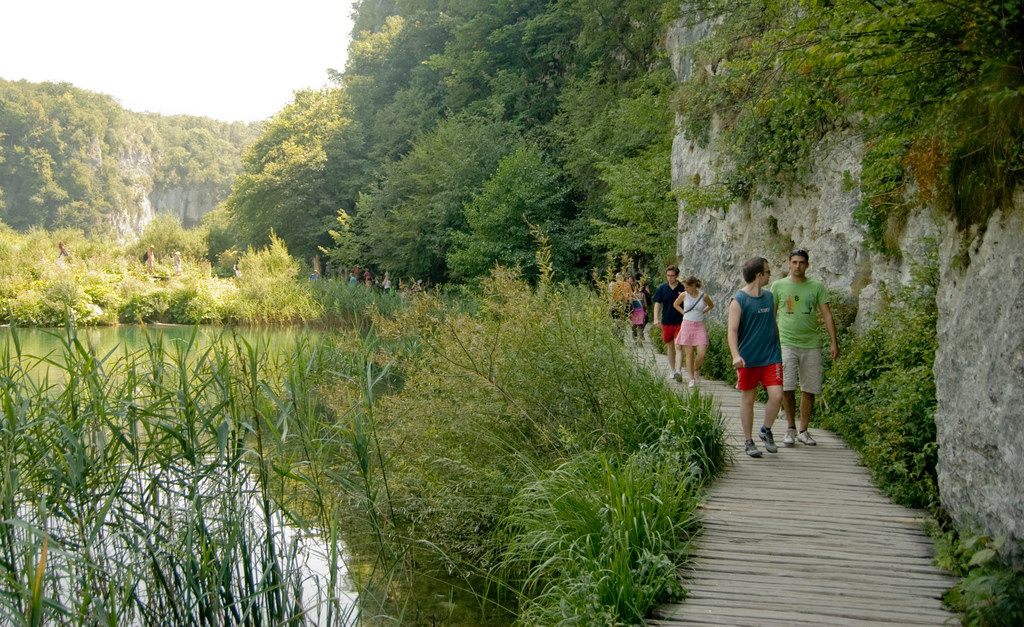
pixel 801 368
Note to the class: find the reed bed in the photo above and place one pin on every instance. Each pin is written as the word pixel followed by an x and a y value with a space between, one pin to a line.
pixel 167 486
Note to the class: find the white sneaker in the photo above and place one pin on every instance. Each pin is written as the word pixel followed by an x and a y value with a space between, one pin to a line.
pixel 805 437
pixel 790 438
pixel 692 383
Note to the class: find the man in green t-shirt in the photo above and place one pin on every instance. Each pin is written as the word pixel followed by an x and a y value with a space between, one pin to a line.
pixel 798 300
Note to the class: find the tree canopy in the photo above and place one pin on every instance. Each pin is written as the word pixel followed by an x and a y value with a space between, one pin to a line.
pixel 467 125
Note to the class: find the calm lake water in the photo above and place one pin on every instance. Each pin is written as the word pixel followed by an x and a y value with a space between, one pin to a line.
pixel 41 342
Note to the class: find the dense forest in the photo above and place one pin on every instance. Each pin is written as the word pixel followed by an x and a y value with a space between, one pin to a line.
pixel 70 158
pixel 460 132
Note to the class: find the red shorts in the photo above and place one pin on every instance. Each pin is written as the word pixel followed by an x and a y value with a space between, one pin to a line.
pixel 765 375
pixel 669 332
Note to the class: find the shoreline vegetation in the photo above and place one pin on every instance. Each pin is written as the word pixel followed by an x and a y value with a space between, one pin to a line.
pixel 505 434
pixel 475 408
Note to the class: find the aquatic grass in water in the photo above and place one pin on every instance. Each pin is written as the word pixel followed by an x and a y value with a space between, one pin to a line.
pixel 152 487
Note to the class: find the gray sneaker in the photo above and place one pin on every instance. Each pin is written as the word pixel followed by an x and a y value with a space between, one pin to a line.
pixel 678 376
pixel 790 438
pixel 768 439
pixel 805 437
pixel 751 449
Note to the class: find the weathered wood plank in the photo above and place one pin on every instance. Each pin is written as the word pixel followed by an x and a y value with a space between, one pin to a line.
pixel 803 536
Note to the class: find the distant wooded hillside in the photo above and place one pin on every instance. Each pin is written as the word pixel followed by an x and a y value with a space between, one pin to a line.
pixel 74 158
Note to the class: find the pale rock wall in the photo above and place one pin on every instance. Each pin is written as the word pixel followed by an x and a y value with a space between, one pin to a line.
pixel 979 377
pixel 189 204
pixel 714 244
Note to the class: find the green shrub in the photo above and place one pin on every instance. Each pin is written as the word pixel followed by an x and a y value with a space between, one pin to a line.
pixel 501 398
pixel 345 302
pixel 990 591
pixel 268 290
pixel 148 306
pixel 599 539
pixel 880 396
pixel 718 363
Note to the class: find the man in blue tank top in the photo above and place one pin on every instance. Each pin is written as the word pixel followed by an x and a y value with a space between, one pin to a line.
pixel 756 355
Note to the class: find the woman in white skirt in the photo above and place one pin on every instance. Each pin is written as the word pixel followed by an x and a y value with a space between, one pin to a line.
pixel 693 304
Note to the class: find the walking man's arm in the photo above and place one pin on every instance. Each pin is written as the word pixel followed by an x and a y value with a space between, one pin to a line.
pixel 830 326
pixel 734 334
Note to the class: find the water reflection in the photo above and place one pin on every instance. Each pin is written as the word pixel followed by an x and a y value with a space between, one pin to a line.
pixel 49 344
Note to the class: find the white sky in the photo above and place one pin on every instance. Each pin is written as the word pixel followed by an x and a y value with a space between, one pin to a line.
pixel 225 59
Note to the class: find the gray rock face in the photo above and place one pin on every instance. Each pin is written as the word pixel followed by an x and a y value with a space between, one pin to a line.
pixel 189 204
pixel 979 376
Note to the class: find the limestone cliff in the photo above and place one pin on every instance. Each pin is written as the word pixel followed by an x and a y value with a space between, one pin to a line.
pixel 979 365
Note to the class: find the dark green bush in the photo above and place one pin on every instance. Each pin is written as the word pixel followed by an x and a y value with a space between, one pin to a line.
pixel 880 395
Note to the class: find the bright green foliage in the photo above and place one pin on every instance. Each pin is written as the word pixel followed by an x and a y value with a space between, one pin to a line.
pixel 60 149
pixel 405 224
pixel 444 93
pixel 641 208
pixel 166 234
pixel 298 174
pixel 881 395
pixel 525 190
pixel 268 290
pixel 101 284
pixel 531 395
pixel 935 89
pixel 600 539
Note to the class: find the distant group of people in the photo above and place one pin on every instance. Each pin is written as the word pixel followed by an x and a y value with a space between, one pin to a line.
pixel 679 310
pixel 773 340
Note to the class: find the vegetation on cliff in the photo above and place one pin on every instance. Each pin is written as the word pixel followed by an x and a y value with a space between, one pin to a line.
pixel 70 158
pixel 934 89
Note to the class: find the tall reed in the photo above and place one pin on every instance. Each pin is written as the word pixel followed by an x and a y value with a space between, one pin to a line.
pixel 158 487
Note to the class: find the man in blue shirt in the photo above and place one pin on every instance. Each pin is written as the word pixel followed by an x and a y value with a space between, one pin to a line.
pixel 666 316
pixel 756 354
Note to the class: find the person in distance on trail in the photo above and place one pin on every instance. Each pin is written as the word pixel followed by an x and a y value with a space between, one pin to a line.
pixel 150 259
pixel 666 316
pixel 62 255
pixel 638 310
pixel 756 355
pixel 693 304
pixel 798 301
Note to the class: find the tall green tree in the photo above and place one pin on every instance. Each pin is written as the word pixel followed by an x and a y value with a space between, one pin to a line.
pixel 305 167
pixel 525 191
pixel 406 222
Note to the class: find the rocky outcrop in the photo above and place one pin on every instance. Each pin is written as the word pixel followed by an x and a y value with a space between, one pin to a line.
pixel 714 244
pixel 148 200
pixel 188 204
pixel 979 379
pixel 979 365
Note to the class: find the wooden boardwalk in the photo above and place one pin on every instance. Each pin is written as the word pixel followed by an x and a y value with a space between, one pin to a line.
pixel 803 537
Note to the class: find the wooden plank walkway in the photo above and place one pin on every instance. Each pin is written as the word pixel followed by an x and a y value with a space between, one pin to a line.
pixel 803 537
